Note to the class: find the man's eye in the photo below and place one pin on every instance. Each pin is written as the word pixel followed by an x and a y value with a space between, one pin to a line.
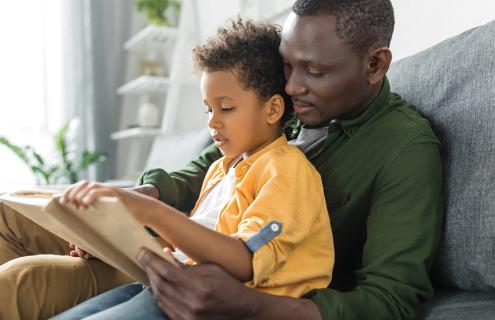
pixel 315 73
pixel 227 109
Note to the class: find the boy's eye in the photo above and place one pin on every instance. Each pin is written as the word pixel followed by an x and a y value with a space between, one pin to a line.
pixel 208 111
pixel 227 109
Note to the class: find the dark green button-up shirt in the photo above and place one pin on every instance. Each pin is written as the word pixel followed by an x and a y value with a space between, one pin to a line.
pixel 382 177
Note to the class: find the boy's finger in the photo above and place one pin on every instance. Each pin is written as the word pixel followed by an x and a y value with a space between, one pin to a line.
pixel 72 193
pixel 83 192
pixel 94 194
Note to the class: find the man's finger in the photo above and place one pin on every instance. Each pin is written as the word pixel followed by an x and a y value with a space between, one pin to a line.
pixel 168 296
pixel 170 273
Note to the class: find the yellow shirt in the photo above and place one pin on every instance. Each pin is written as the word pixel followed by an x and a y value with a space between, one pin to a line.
pixel 278 183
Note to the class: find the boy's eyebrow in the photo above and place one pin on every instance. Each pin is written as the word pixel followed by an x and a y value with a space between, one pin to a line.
pixel 223 98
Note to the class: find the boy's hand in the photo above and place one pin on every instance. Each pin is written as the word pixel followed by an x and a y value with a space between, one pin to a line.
pixel 77 252
pixel 84 193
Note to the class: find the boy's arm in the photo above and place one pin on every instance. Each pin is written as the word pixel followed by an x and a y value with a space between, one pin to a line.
pixel 180 189
pixel 205 246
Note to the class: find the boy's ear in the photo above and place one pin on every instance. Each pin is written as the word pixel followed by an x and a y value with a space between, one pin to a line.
pixel 275 107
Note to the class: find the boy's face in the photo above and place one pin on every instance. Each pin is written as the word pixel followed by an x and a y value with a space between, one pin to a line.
pixel 236 118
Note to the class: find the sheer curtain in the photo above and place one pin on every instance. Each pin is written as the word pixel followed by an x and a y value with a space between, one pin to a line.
pixel 60 60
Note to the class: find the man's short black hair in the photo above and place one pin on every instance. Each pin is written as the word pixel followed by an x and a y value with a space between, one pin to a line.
pixel 250 49
pixel 362 23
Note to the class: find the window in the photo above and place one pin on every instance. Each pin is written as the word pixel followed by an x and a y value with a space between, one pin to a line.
pixel 31 81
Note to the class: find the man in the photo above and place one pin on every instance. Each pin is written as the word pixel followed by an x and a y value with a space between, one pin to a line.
pixel 380 166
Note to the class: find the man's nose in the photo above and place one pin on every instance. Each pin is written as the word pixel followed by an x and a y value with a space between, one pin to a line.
pixel 295 85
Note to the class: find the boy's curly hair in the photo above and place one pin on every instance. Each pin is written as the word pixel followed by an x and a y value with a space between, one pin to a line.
pixel 250 49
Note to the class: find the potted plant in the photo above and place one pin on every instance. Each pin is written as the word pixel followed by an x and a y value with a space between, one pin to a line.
pixel 156 10
pixel 70 166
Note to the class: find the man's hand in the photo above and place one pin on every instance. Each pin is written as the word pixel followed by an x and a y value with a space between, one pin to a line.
pixel 206 291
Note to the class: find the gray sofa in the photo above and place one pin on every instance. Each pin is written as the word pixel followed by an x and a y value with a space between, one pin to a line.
pixel 453 84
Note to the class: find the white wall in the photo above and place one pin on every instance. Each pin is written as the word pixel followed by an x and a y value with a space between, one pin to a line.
pixel 419 24
pixel 213 13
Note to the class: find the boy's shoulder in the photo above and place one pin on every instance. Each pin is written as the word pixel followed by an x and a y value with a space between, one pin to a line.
pixel 284 158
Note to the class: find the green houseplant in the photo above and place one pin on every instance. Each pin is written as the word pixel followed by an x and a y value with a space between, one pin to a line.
pixel 156 10
pixel 69 167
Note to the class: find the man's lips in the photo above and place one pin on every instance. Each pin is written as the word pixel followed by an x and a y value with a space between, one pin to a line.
pixel 301 107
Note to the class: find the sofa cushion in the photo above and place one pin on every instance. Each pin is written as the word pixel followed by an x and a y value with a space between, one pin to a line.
pixel 453 84
pixel 448 305
pixel 173 151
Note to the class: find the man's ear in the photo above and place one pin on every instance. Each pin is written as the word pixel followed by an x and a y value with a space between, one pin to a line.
pixel 378 61
pixel 275 107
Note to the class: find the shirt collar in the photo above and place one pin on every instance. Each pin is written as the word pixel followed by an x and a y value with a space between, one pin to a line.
pixel 348 126
pixel 293 127
pixel 282 140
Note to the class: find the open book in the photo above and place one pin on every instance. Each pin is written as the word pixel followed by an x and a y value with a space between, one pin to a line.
pixel 106 229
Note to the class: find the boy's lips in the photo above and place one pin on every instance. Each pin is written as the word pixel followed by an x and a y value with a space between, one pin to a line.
pixel 219 140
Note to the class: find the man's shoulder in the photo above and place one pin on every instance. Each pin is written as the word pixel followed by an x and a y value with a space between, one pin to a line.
pixel 402 123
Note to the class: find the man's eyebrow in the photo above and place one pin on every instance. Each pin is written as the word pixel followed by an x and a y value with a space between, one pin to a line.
pixel 313 62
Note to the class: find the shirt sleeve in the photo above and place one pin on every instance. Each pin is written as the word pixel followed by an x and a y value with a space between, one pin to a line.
pixel 281 197
pixel 403 232
pixel 180 189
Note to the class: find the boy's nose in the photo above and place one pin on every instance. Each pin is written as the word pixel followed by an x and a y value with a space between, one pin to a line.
pixel 213 121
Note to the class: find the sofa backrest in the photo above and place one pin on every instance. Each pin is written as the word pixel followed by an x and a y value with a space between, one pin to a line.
pixel 453 84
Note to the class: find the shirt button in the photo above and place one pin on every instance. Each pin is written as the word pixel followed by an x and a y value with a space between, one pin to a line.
pixel 294 131
pixel 274 227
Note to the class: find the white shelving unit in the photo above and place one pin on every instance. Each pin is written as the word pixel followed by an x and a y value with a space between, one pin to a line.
pixel 167 41
pixel 145 85
pixel 170 93
pixel 151 37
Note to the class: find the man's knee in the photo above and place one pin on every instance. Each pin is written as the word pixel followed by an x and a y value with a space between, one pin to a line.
pixel 20 237
pixel 38 287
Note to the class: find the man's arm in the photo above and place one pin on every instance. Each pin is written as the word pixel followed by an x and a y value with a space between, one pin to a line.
pixel 212 293
pixel 403 234
pixel 180 189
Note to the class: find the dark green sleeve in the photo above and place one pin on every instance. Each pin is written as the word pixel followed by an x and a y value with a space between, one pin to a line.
pixel 180 189
pixel 403 232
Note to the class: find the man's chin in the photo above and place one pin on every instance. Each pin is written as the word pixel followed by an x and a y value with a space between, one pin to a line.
pixel 313 122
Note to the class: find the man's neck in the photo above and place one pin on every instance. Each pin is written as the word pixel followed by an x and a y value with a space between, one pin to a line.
pixel 374 92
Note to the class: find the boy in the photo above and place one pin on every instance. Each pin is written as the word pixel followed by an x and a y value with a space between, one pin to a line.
pixel 263 198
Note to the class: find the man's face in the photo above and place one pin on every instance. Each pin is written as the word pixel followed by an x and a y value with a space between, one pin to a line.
pixel 326 78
